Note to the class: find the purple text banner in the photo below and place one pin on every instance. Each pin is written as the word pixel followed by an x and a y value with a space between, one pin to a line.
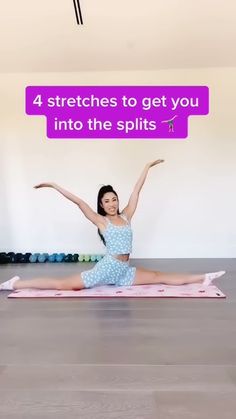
pixel 110 112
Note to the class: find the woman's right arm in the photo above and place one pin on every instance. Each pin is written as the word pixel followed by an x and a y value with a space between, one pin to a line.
pixel 95 218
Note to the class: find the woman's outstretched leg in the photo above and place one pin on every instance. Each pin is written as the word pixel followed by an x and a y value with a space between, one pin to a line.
pixel 73 282
pixel 144 276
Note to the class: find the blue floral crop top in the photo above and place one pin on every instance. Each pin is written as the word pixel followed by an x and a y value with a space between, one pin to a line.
pixel 118 238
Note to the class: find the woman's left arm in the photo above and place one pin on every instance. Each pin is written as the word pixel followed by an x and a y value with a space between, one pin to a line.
pixel 134 197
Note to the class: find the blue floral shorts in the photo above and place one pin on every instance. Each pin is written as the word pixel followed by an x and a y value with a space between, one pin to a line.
pixel 109 271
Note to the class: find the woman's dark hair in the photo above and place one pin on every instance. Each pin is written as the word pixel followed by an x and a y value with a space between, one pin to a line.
pixel 100 210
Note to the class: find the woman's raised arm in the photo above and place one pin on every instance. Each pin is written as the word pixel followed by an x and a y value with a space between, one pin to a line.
pixel 134 197
pixel 95 218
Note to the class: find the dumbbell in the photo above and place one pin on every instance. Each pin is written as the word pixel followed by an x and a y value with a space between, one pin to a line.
pixel 68 258
pixel 42 258
pixel 11 256
pixel 21 258
pixel 52 258
pixel 60 257
pixel 17 257
pixel 75 257
pixel 14 257
pixel 26 257
pixel 34 257
pixel 4 258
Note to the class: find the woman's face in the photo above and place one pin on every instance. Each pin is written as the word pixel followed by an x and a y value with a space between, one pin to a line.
pixel 110 203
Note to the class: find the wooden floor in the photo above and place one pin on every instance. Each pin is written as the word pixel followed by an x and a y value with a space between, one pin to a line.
pixel 119 358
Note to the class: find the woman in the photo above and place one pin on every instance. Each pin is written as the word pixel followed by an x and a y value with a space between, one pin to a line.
pixel 115 231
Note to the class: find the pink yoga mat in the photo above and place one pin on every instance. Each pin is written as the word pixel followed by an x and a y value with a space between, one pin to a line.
pixel 141 291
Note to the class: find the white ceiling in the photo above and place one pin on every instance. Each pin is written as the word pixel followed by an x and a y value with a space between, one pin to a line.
pixel 43 36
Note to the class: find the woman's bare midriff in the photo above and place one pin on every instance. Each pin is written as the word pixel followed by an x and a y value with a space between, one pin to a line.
pixel 123 258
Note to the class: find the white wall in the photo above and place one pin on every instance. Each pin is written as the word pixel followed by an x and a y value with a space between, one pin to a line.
pixel 187 207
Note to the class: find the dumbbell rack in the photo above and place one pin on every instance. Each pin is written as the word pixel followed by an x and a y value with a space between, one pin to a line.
pixel 12 257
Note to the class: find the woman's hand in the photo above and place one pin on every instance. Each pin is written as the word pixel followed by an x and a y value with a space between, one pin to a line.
pixel 45 185
pixel 154 163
